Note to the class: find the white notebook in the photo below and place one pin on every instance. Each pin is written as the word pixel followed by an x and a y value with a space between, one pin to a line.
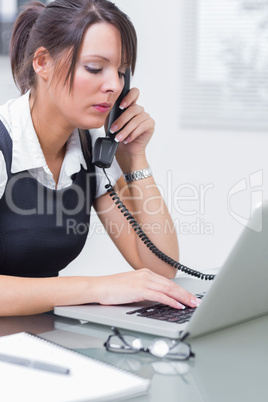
pixel 88 380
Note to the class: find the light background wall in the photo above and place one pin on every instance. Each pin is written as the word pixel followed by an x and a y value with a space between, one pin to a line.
pixel 201 165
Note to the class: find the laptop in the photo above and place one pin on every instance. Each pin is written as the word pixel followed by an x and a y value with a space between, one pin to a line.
pixel 238 293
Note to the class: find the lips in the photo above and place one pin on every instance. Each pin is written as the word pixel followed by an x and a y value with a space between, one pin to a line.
pixel 102 107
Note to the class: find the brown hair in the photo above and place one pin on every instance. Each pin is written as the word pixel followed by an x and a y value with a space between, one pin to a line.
pixel 59 27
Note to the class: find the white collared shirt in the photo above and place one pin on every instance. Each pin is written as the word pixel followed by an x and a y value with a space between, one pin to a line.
pixel 27 154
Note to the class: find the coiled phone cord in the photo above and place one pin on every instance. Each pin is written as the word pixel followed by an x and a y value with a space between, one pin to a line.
pixel 132 221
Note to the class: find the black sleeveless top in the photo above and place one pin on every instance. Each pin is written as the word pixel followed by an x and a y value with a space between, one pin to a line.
pixel 42 230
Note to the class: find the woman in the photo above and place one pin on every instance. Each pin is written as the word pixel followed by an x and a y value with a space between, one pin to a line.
pixel 69 60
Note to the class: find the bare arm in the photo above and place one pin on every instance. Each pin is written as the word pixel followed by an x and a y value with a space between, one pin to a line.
pixel 141 197
pixel 26 296
pixel 144 201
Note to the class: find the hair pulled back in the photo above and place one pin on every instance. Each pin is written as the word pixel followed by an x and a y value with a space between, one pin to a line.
pixel 59 27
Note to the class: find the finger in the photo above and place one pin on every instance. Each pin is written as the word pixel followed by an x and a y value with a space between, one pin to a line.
pixel 174 291
pixel 130 99
pixel 135 127
pixel 147 126
pixel 184 296
pixel 163 299
pixel 169 289
pixel 125 117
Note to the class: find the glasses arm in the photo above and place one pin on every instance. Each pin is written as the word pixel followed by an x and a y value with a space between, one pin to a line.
pixel 117 333
pixel 184 336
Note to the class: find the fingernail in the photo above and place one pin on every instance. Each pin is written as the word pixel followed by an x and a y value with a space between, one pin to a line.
pixel 118 138
pixel 113 129
pixel 123 105
pixel 182 307
pixel 196 302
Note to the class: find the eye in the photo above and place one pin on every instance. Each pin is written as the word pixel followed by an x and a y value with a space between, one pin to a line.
pixel 93 70
pixel 121 75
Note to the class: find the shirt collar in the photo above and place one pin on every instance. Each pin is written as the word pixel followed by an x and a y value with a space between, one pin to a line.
pixel 27 151
pixel 74 156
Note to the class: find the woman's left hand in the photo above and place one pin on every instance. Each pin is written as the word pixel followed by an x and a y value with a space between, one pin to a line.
pixel 138 126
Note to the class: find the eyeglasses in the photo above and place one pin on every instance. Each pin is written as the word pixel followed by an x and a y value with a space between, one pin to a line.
pixel 162 347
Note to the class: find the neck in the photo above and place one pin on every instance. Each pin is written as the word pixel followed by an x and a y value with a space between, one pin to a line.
pixel 51 130
pixel 52 133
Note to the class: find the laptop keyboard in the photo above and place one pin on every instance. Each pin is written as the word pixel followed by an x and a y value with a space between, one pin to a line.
pixel 163 312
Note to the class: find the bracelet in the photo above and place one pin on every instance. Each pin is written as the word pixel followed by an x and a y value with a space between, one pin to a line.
pixel 138 175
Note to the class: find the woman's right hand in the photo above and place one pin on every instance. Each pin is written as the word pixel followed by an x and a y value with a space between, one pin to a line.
pixel 141 285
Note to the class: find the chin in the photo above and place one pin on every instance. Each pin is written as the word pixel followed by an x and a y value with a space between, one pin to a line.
pixel 93 123
pixel 91 127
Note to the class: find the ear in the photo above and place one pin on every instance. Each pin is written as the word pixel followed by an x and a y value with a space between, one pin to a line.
pixel 42 63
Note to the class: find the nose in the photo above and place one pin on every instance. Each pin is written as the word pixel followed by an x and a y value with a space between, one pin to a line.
pixel 113 83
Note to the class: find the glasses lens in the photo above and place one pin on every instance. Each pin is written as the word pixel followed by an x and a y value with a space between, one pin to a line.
pixel 170 349
pixel 159 347
pixel 124 344
pixel 179 351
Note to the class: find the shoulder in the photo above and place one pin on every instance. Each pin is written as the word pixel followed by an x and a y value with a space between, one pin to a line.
pixel 15 113
pixel 12 110
pixel 5 115
pixel 5 128
pixel 3 174
pixel 5 135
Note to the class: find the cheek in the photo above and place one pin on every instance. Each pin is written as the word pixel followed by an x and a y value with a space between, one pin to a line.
pixel 84 84
pixel 79 97
pixel 79 84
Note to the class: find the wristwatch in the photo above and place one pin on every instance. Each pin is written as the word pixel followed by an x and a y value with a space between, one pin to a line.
pixel 138 174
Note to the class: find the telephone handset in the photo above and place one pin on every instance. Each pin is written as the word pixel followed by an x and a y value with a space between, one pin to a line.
pixel 103 154
pixel 105 147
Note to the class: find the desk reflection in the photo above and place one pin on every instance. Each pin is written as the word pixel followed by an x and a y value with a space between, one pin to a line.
pixel 35 324
pixel 230 365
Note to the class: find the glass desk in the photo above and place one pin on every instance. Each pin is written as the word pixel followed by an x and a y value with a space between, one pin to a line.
pixel 230 365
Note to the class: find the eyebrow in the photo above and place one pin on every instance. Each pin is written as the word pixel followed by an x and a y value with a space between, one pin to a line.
pixel 97 56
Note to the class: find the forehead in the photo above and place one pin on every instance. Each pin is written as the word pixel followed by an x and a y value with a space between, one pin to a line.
pixel 102 39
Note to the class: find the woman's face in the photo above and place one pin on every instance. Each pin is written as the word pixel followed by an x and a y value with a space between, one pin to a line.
pixel 98 80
